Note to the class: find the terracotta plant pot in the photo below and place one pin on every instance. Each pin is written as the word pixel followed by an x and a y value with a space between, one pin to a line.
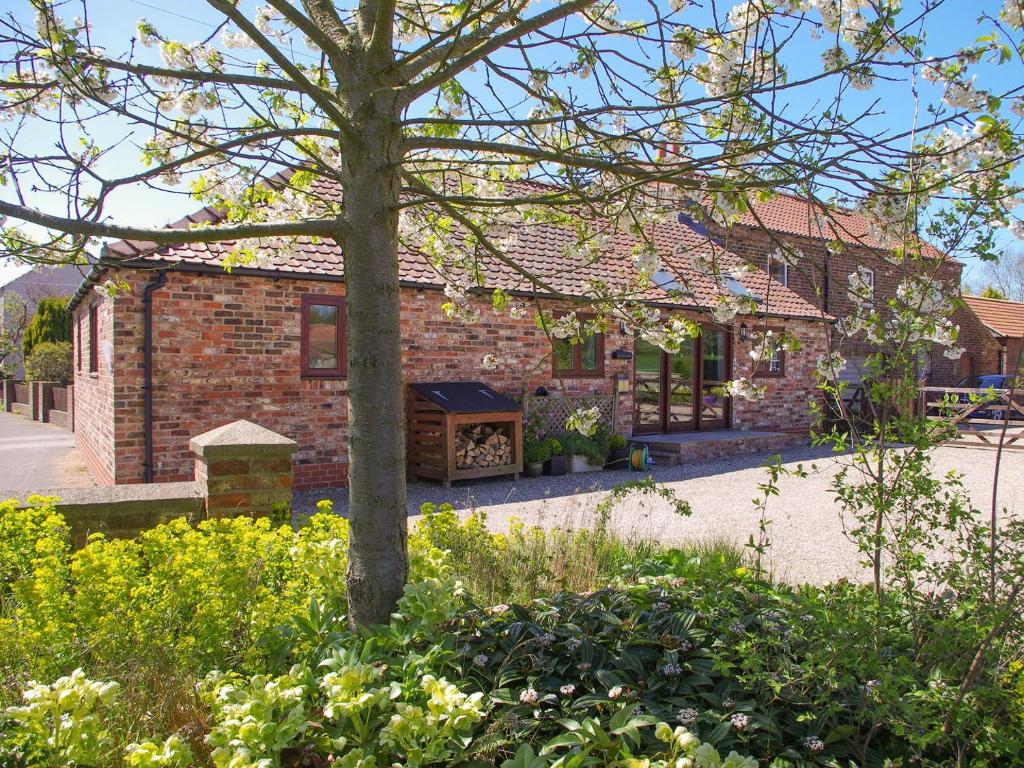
pixel 555 466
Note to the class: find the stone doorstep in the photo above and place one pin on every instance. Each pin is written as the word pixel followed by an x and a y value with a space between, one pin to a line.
pixel 714 445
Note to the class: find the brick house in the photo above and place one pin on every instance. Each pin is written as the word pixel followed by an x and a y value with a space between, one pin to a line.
pixel 1000 338
pixel 820 277
pixel 191 347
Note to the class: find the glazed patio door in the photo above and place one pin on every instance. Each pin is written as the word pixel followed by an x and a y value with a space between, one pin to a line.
pixel 714 413
pixel 667 388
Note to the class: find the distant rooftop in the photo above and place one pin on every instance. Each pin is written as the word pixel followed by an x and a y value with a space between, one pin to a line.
pixel 1005 318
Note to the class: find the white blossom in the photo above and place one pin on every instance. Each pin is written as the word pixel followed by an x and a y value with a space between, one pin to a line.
pixel 745 389
pixel 828 367
pixel 584 420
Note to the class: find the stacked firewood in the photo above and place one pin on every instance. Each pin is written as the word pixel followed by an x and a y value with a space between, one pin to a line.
pixel 481 445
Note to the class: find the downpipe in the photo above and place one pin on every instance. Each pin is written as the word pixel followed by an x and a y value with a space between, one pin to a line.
pixel 147 368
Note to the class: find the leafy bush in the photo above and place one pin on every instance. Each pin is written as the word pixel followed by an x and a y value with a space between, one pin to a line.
pixel 51 322
pixel 536 451
pixel 554 446
pixel 678 658
pixel 358 699
pixel 593 448
pixel 527 561
pixel 50 361
pixel 788 676
pixel 617 443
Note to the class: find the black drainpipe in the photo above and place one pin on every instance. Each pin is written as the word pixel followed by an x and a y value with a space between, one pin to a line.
pixel 147 365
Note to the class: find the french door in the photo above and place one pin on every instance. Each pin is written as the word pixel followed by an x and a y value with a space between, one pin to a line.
pixel 681 392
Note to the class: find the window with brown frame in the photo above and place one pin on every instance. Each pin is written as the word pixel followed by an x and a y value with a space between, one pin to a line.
pixel 94 340
pixel 78 345
pixel 772 365
pixel 323 336
pixel 580 360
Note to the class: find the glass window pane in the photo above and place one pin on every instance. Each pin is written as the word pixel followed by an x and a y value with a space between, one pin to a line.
pixel 778 271
pixel 323 336
pixel 563 355
pixel 588 353
pixel 714 356
pixel 647 384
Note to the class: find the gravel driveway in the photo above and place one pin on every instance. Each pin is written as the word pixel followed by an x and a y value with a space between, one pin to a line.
pixel 806 531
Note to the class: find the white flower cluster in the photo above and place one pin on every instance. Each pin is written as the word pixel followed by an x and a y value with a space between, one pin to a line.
pixel 787 254
pixel 727 306
pixel 861 288
pixel 830 366
pixel 584 420
pixel 687 716
pixel 1013 13
pixel 923 296
pixel 671 336
pixel 459 305
pixel 745 389
pixel 646 260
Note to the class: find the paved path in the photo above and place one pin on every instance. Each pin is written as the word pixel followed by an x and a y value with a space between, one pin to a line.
pixel 35 456
pixel 807 531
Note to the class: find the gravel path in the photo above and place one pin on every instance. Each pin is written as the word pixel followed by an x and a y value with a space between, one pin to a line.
pixel 806 531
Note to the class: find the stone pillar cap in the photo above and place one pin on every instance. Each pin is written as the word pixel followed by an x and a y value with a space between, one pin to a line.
pixel 240 437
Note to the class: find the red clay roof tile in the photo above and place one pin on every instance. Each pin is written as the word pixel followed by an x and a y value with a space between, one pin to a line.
pixel 1004 317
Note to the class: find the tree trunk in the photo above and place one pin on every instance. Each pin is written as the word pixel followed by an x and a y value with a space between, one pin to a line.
pixel 371 181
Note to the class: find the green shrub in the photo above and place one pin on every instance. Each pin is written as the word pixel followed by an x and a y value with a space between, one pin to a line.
pixel 373 698
pixel 50 361
pixel 617 443
pixel 51 322
pixel 593 448
pixel 528 560
pixel 535 451
pixel 554 447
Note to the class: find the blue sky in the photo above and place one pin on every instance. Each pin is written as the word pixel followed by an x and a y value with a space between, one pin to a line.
pixel 114 23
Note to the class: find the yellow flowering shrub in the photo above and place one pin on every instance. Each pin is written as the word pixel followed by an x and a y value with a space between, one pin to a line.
pixel 196 597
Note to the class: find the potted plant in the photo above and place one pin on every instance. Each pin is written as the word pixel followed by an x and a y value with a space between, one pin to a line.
pixel 618 453
pixel 586 453
pixel 554 465
pixel 535 453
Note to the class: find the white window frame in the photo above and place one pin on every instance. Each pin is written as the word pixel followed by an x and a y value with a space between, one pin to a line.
pixel 869 275
pixel 785 270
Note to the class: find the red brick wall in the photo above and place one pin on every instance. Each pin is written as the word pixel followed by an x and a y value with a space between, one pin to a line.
pixel 808 280
pixel 786 404
pixel 982 348
pixel 94 392
pixel 227 347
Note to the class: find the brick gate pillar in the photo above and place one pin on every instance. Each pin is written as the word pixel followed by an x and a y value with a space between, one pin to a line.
pixel 243 468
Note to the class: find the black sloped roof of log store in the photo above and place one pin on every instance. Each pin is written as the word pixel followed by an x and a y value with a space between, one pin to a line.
pixel 465 397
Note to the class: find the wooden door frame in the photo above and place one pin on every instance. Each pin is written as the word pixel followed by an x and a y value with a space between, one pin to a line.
pixel 727 401
pixel 664 425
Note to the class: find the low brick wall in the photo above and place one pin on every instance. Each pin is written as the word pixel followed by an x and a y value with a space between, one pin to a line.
pixel 240 469
pixel 124 511
pixel 40 401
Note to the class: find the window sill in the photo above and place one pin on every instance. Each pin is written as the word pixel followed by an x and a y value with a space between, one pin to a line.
pixel 577 375
pixel 323 377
